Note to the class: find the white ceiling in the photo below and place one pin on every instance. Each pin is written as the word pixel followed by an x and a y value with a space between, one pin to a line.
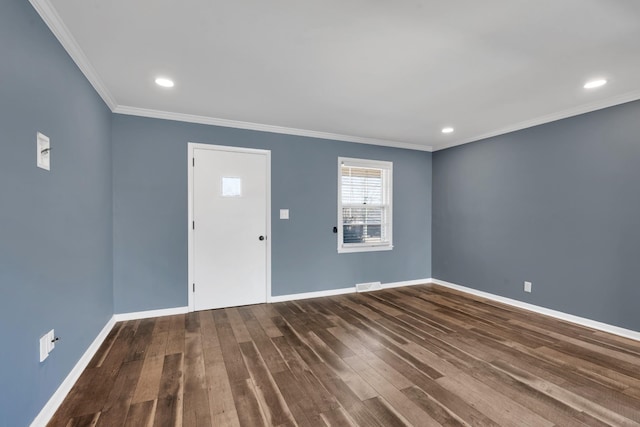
pixel 368 71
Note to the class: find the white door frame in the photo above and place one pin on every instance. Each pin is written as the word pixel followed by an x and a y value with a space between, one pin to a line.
pixel 191 146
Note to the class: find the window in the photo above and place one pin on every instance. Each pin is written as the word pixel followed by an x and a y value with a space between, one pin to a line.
pixel 364 205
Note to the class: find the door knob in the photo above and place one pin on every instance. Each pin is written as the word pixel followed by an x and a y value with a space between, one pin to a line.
pixel 261 238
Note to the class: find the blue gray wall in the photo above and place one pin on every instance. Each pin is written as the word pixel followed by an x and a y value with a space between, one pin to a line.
pixel 557 204
pixel 55 227
pixel 150 212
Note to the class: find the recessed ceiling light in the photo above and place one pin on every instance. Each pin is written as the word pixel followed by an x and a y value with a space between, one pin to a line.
pixel 164 82
pixel 595 83
pixel 447 130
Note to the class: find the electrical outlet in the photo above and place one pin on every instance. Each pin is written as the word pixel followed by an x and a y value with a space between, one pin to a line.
pixel 43 145
pixel 51 337
pixel 527 286
pixel 44 347
pixel 47 343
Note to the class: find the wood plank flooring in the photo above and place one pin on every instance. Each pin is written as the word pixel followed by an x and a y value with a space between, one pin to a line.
pixel 422 356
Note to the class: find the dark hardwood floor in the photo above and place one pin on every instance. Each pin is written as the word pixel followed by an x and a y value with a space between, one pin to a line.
pixel 421 355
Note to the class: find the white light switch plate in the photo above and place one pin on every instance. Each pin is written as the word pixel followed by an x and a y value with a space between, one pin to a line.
pixel 284 213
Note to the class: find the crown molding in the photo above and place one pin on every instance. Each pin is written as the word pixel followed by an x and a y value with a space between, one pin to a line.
pixel 204 120
pixel 571 112
pixel 50 16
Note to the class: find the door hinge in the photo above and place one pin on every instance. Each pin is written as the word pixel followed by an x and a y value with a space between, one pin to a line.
pixel 194 287
pixel 193 225
pixel 193 161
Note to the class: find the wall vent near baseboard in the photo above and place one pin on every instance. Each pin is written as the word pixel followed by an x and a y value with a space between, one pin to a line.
pixel 366 287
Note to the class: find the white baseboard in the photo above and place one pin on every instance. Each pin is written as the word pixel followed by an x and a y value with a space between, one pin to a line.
pixel 341 291
pixel 120 317
pixel 406 283
pixel 307 295
pixel 58 397
pixel 582 321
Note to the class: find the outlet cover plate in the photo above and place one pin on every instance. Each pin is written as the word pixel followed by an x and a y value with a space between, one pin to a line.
pixel 43 146
pixel 51 340
pixel 44 347
pixel 527 286
pixel 47 343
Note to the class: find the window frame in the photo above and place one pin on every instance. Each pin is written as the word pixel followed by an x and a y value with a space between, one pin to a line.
pixel 387 189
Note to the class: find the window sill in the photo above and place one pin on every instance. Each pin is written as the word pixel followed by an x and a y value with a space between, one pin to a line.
pixel 354 249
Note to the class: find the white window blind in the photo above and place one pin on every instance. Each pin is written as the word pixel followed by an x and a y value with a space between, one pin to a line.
pixel 364 211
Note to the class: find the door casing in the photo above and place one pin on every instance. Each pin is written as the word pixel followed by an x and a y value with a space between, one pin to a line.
pixel 191 146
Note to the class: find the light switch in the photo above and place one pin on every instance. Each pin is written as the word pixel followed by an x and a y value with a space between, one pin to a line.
pixel 43 152
pixel 284 213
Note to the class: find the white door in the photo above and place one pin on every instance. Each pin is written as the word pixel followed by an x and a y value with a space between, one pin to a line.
pixel 230 219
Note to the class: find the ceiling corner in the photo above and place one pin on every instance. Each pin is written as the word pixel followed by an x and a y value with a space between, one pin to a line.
pixel 559 115
pixel 49 15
